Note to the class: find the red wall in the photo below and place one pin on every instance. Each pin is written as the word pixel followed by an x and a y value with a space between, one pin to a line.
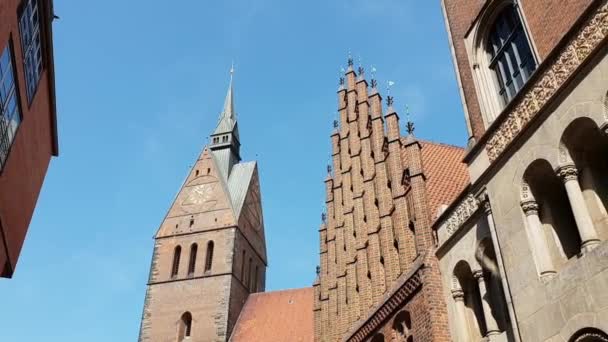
pixel 28 160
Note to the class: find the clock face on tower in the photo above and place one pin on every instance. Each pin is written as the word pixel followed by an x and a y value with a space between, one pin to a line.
pixel 201 194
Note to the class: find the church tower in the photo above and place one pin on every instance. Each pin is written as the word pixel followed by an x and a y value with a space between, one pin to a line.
pixel 210 251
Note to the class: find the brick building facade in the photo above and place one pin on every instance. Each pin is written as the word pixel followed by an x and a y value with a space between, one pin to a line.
pixel 28 126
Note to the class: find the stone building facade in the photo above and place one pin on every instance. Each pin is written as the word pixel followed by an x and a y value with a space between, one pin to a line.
pixel 522 251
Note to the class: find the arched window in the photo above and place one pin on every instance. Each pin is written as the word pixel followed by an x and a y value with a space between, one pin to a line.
pixel 467 304
pixel 209 257
pixel 589 335
pixel 192 263
pixel 402 327
pixel 587 146
pixel 243 267
pixel 185 327
pixel 511 58
pixel 486 257
pixel 255 280
pixel 176 254
pixel 549 219
pixel 248 282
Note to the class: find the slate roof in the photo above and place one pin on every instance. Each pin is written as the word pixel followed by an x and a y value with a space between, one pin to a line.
pixel 277 316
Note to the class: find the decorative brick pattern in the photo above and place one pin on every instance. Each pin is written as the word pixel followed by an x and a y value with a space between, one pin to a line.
pixel 376 235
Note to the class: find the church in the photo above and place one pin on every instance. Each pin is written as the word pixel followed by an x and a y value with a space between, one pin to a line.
pixel 504 240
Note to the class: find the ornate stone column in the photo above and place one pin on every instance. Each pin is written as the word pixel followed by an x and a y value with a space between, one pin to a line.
pixel 491 325
pixel 584 223
pixel 539 242
pixel 462 328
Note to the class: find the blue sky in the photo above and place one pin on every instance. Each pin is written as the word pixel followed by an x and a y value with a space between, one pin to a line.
pixel 139 87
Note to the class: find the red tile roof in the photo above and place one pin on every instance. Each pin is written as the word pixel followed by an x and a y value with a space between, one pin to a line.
pixel 446 174
pixel 277 316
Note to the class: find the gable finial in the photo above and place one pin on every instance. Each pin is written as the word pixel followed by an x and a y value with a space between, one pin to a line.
pixel 409 125
pixel 350 59
pixel 374 83
pixel 335 123
pixel 360 69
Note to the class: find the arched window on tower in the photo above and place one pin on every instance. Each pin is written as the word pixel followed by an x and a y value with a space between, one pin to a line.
pixel 243 267
pixel 209 257
pixel 255 280
pixel 510 55
pixel 192 263
pixel 176 254
pixel 248 282
pixel 185 327
pixel 402 327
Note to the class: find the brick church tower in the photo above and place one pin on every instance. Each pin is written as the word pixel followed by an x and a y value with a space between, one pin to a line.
pixel 378 277
pixel 210 251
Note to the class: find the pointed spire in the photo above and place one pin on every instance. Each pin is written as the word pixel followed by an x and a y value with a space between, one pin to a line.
pixel 227 120
pixel 225 143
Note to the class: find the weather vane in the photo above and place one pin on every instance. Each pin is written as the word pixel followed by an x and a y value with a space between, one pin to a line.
pixel 389 84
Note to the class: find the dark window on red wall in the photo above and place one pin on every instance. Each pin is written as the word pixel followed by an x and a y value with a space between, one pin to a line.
pixel 29 28
pixel 10 115
pixel 209 257
pixel 176 255
pixel 192 263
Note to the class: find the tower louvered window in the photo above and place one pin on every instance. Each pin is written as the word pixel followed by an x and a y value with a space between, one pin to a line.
pixel 192 263
pixel 209 257
pixel 176 255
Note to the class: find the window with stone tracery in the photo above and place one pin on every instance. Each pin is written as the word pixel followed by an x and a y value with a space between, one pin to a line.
pixel 511 58
pixel 402 327
pixel 502 57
